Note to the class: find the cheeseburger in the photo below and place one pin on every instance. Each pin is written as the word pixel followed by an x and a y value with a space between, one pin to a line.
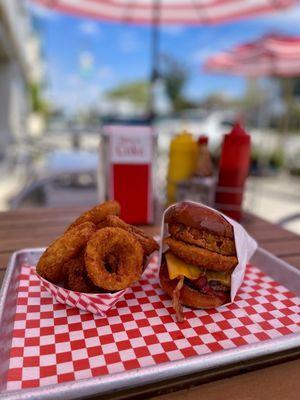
pixel 196 269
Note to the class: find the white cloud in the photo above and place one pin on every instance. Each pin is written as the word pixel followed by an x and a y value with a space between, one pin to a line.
pixel 105 73
pixel 200 56
pixel 73 80
pixel 89 28
pixel 129 43
pixel 86 60
pixel 173 30
pixel 80 95
pixel 42 12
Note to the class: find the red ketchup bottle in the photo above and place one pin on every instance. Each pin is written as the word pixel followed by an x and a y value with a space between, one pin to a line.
pixel 233 171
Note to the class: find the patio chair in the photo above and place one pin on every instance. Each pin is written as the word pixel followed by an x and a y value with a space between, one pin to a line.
pixel 68 178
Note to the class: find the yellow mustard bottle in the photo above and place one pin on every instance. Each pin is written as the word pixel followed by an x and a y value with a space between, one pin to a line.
pixel 182 162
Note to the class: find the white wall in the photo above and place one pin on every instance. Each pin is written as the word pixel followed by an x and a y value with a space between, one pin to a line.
pixel 13 104
pixel 5 101
pixel 20 63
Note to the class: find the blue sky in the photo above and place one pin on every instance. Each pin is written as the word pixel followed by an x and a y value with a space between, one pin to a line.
pixel 85 58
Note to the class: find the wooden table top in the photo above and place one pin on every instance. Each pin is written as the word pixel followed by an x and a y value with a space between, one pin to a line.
pixel 38 227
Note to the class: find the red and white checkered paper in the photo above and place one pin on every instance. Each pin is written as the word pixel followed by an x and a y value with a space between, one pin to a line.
pixel 97 303
pixel 53 343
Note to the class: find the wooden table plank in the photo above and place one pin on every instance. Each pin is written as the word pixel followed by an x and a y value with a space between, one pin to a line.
pixel 4 259
pixel 284 248
pixel 293 260
pixel 40 211
pixel 276 382
pixel 271 235
pixel 2 273
pixel 19 233
pixel 43 221
pixel 252 221
pixel 12 244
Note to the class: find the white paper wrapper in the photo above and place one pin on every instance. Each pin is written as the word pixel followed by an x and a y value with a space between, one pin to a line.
pixel 244 243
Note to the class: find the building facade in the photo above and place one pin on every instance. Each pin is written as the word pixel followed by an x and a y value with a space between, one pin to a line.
pixel 20 66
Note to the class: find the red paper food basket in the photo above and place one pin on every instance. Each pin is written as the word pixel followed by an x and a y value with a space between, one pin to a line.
pixel 54 343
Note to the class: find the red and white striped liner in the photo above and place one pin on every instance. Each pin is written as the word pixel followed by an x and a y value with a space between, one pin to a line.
pixel 169 11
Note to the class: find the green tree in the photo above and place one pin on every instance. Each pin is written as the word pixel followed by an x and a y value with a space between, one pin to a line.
pixel 216 101
pixel 39 105
pixel 296 87
pixel 175 75
pixel 137 92
pixel 290 93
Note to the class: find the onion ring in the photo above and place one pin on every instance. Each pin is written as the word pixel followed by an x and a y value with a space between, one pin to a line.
pixel 148 244
pixel 113 259
pixel 66 247
pixel 75 276
pixel 98 213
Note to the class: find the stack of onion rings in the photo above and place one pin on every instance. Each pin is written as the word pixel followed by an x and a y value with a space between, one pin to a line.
pixel 113 259
pixel 98 252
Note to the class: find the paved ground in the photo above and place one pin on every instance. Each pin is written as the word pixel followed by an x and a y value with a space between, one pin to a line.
pixel 275 198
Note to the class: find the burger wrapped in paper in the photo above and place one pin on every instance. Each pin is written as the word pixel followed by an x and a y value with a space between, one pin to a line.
pixel 203 256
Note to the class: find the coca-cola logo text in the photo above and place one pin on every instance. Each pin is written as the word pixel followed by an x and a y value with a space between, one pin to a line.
pixel 129 147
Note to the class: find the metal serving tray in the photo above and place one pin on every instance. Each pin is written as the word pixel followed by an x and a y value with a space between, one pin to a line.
pixel 137 380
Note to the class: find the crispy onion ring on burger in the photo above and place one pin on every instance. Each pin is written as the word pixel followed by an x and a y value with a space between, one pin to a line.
pixel 113 259
pixel 200 256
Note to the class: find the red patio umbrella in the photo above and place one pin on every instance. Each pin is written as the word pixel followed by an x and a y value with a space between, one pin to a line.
pixel 272 55
pixel 167 12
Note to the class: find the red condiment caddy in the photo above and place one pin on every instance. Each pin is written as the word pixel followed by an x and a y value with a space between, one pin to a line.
pixel 233 171
pixel 129 171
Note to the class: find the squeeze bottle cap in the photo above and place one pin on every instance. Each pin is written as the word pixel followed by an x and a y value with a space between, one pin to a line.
pixel 203 139
pixel 237 130
pixel 238 134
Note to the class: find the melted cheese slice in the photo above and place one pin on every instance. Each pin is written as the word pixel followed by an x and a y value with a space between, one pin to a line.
pixel 177 267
